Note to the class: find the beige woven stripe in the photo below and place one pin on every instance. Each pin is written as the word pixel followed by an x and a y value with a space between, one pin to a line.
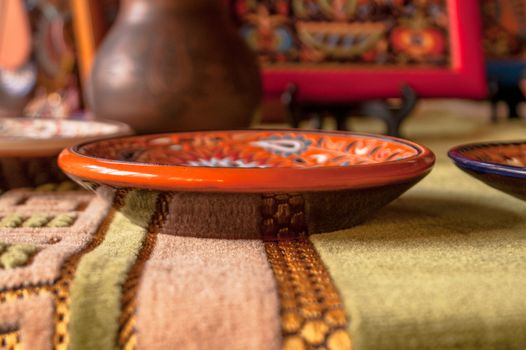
pixel 200 293
pixel 127 319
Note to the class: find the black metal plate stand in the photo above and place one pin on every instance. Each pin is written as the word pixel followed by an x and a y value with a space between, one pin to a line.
pixel 392 115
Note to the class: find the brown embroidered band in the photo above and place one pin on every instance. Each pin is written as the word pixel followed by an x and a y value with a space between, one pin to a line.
pixel 312 312
pixel 10 341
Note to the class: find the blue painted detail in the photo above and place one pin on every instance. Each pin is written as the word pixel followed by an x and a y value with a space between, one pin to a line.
pixel 484 167
pixel 348 41
pixel 285 39
pixel 332 40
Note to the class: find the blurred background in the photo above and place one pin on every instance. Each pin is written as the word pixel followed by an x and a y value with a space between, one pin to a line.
pixel 166 65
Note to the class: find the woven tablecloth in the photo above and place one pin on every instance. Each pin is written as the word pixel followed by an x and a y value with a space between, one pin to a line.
pixel 442 267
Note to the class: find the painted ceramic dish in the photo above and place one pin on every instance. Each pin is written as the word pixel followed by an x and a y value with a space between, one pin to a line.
pixel 29 147
pixel 22 137
pixel 338 177
pixel 500 165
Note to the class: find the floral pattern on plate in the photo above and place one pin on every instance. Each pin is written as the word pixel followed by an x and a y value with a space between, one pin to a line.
pixel 513 154
pixel 35 128
pixel 252 149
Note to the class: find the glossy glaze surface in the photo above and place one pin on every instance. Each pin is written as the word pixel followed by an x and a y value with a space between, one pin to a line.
pixel 248 161
pixel 500 165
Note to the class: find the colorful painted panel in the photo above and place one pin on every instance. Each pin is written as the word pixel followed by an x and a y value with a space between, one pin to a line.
pixel 371 32
pixel 504 24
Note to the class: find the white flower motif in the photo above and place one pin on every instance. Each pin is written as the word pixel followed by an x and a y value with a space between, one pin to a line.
pixel 320 158
pixel 227 162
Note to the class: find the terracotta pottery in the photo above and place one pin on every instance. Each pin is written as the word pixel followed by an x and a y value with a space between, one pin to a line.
pixel 15 35
pixel 501 165
pixel 17 73
pixel 338 178
pixel 29 147
pixel 175 65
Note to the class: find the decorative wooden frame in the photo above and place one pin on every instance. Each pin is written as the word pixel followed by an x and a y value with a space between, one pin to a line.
pixel 464 78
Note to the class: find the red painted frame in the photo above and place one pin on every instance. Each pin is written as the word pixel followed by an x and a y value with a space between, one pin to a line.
pixel 465 78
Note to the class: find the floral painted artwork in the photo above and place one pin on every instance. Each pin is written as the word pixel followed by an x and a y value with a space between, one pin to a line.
pixel 504 23
pixel 361 32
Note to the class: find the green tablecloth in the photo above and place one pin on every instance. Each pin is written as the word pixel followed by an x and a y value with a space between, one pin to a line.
pixel 442 267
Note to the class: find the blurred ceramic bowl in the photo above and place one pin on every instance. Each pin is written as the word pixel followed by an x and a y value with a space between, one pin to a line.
pixel 283 182
pixel 29 146
pixel 501 165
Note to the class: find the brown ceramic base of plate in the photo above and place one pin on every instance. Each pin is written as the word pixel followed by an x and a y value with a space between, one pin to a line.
pixel 507 184
pixel 267 216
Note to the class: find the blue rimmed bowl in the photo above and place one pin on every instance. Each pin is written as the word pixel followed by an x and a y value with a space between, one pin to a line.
pixel 501 165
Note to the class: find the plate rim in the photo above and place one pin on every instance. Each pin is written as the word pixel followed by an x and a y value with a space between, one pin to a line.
pixel 13 146
pixel 221 179
pixel 463 162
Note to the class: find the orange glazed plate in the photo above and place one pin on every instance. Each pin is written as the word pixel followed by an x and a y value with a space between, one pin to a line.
pixel 248 161
pixel 270 184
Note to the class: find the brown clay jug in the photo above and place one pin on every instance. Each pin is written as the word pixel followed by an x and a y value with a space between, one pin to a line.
pixel 174 65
